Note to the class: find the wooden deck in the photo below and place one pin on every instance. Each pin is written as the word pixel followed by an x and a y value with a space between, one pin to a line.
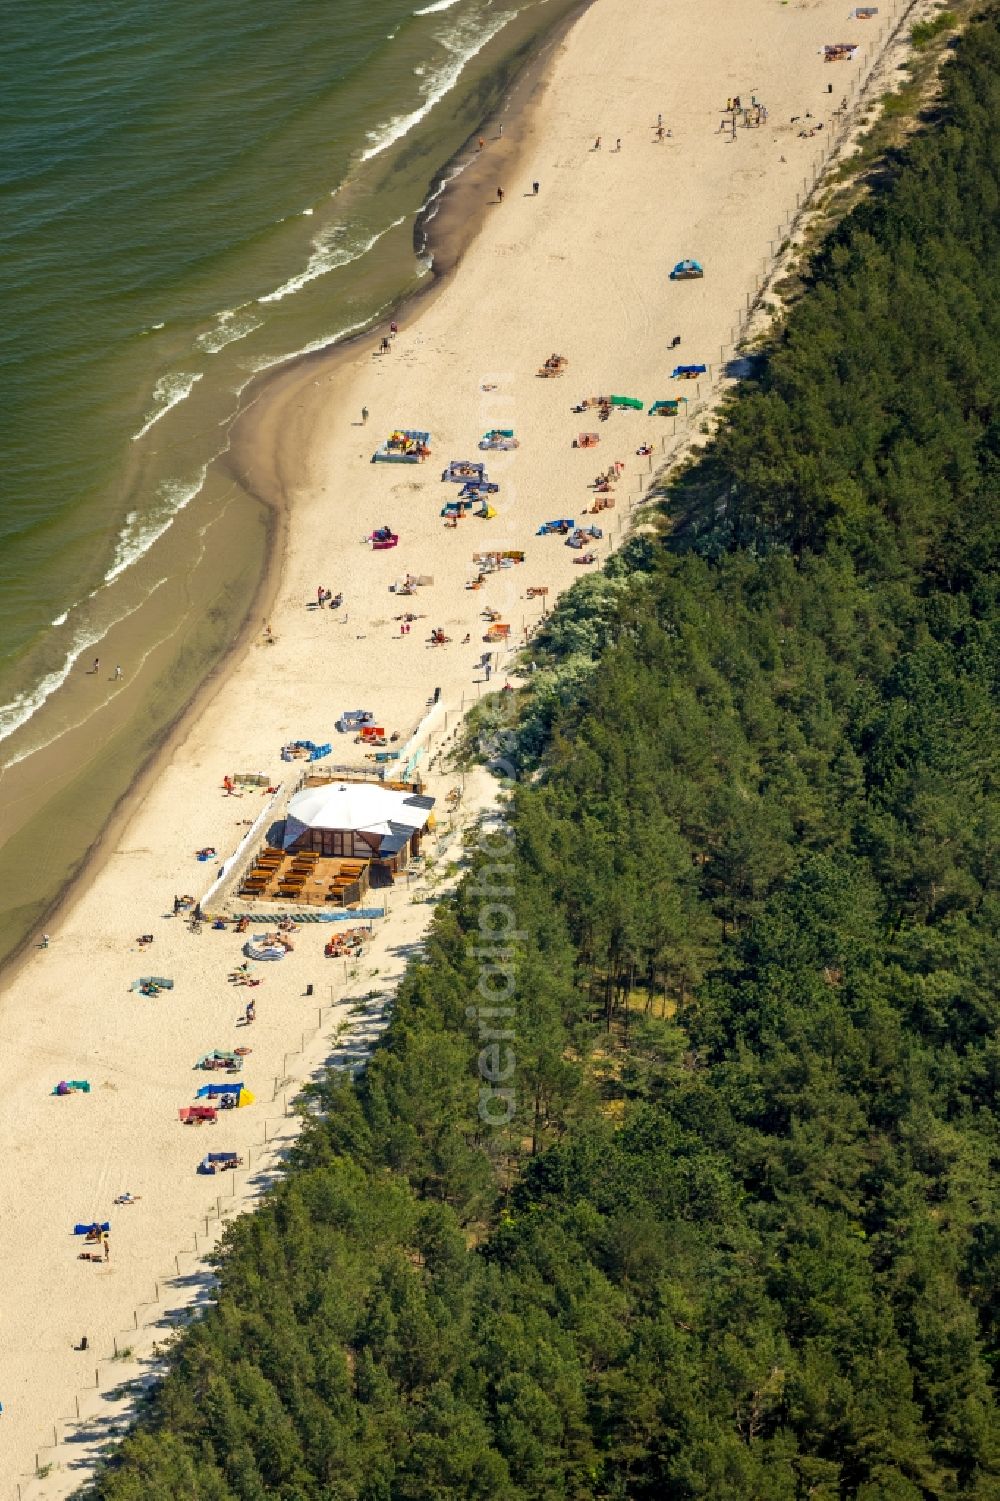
pixel 306 879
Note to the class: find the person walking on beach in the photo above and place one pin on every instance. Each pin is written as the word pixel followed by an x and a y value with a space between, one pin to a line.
pixel 107 1248
pixel 482 143
pixel 597 144
pixel 118 674
pixel 499 195
pixel 97 665
pixel 534 189
pixel 364 415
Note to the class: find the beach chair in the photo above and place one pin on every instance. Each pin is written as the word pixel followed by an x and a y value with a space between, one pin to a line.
pixel 353 719
pixel 404 446
pixel 462 471
pixel 499 439
pixel 198 1115
pixel 219 1162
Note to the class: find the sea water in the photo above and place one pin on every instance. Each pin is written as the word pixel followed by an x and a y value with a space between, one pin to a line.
pixel 191 194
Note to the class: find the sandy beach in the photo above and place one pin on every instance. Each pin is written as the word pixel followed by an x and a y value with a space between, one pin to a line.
pixel 581 269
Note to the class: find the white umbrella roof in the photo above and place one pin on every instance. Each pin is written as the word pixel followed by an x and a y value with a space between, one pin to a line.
pixel 360 806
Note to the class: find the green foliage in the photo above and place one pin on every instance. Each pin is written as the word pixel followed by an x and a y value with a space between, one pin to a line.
pixel 926 31
pixel 739 1238
pixel 860 433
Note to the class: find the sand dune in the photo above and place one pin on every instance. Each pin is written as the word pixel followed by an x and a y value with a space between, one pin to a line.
pixel 581 269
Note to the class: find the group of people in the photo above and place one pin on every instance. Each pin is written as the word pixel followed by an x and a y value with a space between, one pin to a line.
pixel 384 347
pixel 737 113
pixel 326 597
pixel 116 676
pixel 97 1236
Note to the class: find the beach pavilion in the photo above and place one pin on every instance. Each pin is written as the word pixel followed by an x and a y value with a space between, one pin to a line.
pixel 360 821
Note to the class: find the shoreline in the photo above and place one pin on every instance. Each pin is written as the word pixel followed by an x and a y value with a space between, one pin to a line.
pixel 446 236
pixel 517 294
pixel 264 403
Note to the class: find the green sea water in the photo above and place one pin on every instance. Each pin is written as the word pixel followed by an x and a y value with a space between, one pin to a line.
pixel 191 193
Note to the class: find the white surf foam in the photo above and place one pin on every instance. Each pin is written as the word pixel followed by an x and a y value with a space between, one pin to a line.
pixel 60 619
pixel 432 202
pixel 269 362
pixel 135 665
pixel 432 10
pixel 21 708
pixel 168 392
pixel 230 325
pixel 142 530
pixel 329 252
pixel 440 82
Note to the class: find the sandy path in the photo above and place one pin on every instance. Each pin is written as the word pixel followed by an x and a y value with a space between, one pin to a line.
pixel 580 269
